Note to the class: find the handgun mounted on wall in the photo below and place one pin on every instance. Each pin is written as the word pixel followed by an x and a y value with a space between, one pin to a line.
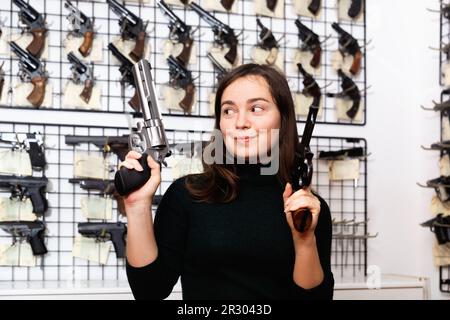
pixel 31 70
pixel 34 22
pixel 82 26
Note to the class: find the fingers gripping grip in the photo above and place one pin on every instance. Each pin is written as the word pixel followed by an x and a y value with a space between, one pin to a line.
pixel 128 180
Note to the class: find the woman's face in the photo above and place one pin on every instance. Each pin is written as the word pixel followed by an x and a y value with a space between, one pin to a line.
pixel 249 117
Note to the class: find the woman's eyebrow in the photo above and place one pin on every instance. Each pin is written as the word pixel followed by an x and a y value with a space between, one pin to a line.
pixel 227 102
pixel 257 99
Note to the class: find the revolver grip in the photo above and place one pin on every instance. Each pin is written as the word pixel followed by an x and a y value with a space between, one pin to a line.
pixel 351 113
pixel 317 54
pixel 36 97
pixel 138 51
pixel 186 52
pixel 302 219
pixel 135 102
pixel 356 65
pixel 227 4
pixel 232 54
pixel 127 181
pixel 38 200
pixel 188 100
pixel 37 244
pixel 355 8
pixel 271 4
pixel 85 95
pixel 37 45
pixel 314 6
pixel 86 46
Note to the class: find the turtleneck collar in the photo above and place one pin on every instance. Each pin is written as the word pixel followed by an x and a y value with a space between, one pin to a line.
pixel 255 172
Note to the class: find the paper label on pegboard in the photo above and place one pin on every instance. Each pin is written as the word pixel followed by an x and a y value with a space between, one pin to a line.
pixel 261 9
pixel 219 55
pixel 441 254
pixel 446 74
pixel 21 91
pixel 4 46
pixel 215 5
pixel 175 49
pixel 343 169
pixel 343 105
pixel 96 207
pixel 183 166
pixel 343 62
pixel 344 6
pixel 73 100
pixel 23 40
pixel 304 57
pixel 72 44
pixel 269 57
pixel 301 9
pixel 176 3
pixel 212 103
pixel 437 207
pixel 173 96
pixel 15 162
pixel 126 47
pixel 16 210
pixel 91 249
pixel 302 104
pixel 444 166
pixel 18 254
pixel 91 166
pixel 445 129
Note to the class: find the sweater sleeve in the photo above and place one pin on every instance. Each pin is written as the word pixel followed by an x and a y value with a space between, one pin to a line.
pixel 156 280
pixel 323 233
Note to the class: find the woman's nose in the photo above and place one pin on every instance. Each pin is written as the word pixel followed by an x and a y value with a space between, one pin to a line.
pixel 242 120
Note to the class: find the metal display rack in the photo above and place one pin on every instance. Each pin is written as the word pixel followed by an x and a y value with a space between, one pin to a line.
pixel 347 201
pixel 107 73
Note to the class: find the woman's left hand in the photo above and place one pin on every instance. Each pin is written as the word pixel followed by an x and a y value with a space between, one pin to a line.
pixel 301 199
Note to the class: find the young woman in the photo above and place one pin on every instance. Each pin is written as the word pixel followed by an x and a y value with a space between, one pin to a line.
pixel 228 231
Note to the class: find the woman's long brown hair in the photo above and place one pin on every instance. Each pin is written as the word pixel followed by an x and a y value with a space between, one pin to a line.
pixel 218 182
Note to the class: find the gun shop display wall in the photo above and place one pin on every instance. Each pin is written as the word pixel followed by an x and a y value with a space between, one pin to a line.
pixel 68 104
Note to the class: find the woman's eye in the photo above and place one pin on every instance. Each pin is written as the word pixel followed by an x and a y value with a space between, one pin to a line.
pixel 228 111
pixel 257 108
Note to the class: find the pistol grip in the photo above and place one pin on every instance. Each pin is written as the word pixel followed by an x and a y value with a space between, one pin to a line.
pixel 37 244
pixel 188 100
pixel 37 45
pixel 231 54
pixel 2 83
pixel 302 219
pixel 36 97
pixel 227 4
pixel 119 244
pixel 135 102
pixel 138 51
pixel 127 181
pixel 38 201
pixel 356 65
pixel 86 46
pixel 351 113
pixel 185 54
pixel 317 54
pixel 86 94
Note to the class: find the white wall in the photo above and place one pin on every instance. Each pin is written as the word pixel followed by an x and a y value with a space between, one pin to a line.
pixel 403 74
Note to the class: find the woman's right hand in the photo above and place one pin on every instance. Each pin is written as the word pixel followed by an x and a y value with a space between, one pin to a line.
pixel 147 191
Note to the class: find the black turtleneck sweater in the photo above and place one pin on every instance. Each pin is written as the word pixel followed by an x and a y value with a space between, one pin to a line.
pixel 238 250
